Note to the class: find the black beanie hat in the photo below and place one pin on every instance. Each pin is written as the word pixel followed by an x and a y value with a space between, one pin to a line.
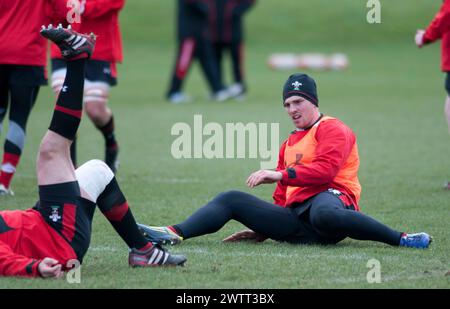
pixel 301 85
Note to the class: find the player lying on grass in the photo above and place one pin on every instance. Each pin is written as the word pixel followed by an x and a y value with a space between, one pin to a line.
pixel 317 193
pixel 40 241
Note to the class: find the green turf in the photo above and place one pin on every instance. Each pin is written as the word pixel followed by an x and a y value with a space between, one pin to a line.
pixel 391 95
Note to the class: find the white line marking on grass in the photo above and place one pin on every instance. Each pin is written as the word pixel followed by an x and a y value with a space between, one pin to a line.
pixel 104 249
pixel 148 179
pixel 176 180
pixel 277 255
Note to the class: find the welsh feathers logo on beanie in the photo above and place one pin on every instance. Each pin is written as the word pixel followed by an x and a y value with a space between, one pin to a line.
pixel 302 85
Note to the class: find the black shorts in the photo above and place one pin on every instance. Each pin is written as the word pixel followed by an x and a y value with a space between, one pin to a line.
pixel 29 75
pixel 68 213
pixel 96 70
pixel 447 83
pixel 305 233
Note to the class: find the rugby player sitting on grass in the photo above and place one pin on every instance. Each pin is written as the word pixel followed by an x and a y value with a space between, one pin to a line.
pixel 317 193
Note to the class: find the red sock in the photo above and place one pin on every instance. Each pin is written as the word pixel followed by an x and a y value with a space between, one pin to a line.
pixel 146 247
pixel 8 168
pixel 173 230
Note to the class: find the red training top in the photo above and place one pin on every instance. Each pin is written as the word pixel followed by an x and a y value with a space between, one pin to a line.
pixel 439 28
pixel 332 163
pixel 20 23
pixel 26 239
pixel 102 18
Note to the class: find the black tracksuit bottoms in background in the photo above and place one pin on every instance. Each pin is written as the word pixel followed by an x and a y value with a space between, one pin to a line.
pixel 202 49
pixel 236 53
pixel 322 219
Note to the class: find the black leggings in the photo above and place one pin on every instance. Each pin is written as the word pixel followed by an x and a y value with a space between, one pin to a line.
pixel 203 51
pixel 321 219
pixel 447 83
pixel 23 98
pixel 235 49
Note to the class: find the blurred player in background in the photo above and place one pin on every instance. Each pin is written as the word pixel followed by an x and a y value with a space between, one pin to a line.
pixel 194 40
pixel 227 33
pixel 317 193
pixel 102 18
pixel 22 72
pixel 43 241
pixel 439 28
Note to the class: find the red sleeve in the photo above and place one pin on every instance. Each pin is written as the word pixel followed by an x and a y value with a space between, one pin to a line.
pixel 439 24
pixel 335 142
pixel 12 264
pixel 97 8
pixel 279 195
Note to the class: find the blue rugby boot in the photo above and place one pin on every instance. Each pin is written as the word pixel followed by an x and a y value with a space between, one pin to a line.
pixel 418 240
pixel 161 235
